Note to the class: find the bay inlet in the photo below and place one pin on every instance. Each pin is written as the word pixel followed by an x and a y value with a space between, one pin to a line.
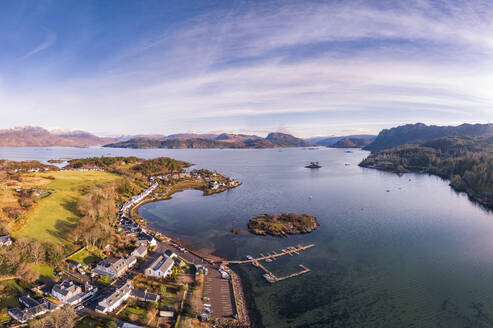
pixel 418 255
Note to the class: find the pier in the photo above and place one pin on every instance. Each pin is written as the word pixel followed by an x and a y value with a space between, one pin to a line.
pixel 269 276
pixel 272 278
pixel 288 251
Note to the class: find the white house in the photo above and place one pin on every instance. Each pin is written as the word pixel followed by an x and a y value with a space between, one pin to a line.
pixel 110 303
pixel 161 267
pixel 70 293
pixel 140 251
pixel 115 268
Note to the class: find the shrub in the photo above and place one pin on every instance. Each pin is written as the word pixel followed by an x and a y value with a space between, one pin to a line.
pixel 12 212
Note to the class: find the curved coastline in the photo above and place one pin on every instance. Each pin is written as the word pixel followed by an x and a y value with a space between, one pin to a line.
pixel 240 300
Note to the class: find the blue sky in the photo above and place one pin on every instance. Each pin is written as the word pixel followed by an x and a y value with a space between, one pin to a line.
pixel 303 67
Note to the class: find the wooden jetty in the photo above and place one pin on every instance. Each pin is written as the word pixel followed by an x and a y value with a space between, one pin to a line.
pixel 273 255
pixel 269 276
pixel 272 278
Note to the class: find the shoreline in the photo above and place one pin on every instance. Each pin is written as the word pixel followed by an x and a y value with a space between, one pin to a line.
pixel 239 299
pixel 483 199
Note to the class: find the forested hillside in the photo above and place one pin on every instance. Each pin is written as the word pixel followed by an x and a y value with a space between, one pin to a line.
pixel 466 161
pixel 273 140
pixel 419 133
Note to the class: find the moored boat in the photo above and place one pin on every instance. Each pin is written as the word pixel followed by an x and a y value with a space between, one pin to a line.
pixel 313 165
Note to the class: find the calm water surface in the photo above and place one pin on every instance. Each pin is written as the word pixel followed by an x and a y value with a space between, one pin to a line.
pixel 419 255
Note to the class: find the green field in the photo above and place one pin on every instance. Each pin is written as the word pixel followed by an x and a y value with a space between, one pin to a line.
pixel 133 314
pixel 56 214
pixel 45 272
pixel 85 257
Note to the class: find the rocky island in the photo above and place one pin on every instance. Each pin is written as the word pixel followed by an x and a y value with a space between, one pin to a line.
pixel 282 225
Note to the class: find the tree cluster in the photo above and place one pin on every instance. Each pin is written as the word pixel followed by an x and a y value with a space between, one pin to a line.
pixel 98 211
pixel 20 258
pixel 466 161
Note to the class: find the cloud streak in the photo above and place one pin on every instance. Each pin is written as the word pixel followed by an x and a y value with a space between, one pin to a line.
pixel 50 39
pixel 310 67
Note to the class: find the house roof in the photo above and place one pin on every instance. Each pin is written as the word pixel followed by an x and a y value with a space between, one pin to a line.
pixel 28 313
pixel 4 239
pixel 117 295
pixel 67 287
pixel 28 301
pixel 145 236
pixel 114 264
pixel 144 295
pixel 141 250
pixel 162 264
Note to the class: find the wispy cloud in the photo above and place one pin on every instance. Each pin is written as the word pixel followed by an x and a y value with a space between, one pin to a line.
pixel 50 39
pixel 309 67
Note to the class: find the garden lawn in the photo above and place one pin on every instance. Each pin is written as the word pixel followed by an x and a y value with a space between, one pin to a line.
pixel 56 214
pixel 45 272
pixel 107 280
pixel 133 314
pixel 85 258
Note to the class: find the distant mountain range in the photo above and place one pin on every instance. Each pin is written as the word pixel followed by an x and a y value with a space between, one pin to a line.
pixel 39 137
pixel 351 143
pixel 332 141
pixel 225 140
pixel 406 134
pixel 419 133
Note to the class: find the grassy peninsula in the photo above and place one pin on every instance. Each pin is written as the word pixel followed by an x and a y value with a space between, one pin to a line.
pixel 467 162
pixel 282 225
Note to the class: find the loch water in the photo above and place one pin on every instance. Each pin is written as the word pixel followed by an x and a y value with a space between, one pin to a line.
pixel 392 250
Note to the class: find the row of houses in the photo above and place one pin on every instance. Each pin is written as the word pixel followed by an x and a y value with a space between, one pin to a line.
pixel 66 292
pixel 134 200
pixel 213 184
pixel 181 175
pixel 116 267
pixel 95 168
pixel 31 170
pixel 120 295
pixel 131 228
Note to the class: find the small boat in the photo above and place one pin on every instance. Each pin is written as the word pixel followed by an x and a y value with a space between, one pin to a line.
pixel 268 260
pixel 347 164
pixel 249 257
pixel 313 165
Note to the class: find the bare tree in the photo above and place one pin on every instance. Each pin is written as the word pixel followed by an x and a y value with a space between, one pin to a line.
pixel 37 251
pixel 25 272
